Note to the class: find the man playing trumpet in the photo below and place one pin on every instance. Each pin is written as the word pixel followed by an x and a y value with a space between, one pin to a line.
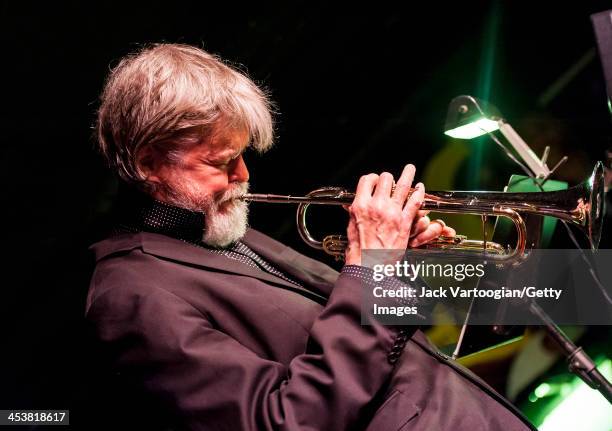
pixel 226 328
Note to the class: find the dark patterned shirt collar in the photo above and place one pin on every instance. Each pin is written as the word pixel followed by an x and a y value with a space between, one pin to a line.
pixel 138 212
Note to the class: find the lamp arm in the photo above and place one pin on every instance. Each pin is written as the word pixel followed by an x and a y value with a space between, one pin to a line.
pixel 535 164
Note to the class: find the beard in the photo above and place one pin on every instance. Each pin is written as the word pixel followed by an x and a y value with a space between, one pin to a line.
pixel 226 216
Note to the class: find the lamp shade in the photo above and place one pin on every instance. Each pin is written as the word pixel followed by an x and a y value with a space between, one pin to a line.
pixel 469 118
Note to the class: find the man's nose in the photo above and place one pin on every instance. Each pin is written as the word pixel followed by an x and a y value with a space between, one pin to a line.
pixel 239 173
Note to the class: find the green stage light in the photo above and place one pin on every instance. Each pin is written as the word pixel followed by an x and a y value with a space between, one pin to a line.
pixel 542 390
pixel 579 406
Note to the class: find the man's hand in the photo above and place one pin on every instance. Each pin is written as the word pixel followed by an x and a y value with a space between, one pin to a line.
pixel 380 219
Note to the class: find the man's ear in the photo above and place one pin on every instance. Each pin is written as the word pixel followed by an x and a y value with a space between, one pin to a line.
pixel 153 179
pixel 145 161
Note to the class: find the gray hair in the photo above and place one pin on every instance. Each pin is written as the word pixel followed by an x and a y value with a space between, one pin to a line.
pixel 167 98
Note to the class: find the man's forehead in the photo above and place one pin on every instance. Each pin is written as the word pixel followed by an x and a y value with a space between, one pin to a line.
pixel 231 141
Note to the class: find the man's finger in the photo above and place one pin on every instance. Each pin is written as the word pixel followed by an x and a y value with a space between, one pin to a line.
pixel 384 185
pixel 446 230
pixel 413 204
pixel 449 231
pixel 432 232
pixel 402 187
pixel 419 226
pixel 365 187
pixel 423 213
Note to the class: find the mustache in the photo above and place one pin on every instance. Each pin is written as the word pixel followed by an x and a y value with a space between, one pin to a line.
pixel 234 192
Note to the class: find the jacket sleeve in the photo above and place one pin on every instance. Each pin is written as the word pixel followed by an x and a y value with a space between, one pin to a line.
pixel 213 382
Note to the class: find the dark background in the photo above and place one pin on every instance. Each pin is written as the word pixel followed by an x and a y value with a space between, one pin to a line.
pixel 357 90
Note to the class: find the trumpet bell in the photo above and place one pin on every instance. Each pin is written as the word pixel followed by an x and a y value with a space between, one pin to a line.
pixel 594 188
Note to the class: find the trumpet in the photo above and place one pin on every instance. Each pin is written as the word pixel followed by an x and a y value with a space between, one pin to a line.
pixel 581 205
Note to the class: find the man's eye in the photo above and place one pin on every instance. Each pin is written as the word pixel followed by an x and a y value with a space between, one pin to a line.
pixel 220 163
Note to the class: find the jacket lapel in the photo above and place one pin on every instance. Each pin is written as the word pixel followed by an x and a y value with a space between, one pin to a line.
pixel 318 277
pixel 174 249
pixel 307 271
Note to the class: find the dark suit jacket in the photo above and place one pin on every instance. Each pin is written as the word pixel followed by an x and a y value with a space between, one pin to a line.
pixel 229 347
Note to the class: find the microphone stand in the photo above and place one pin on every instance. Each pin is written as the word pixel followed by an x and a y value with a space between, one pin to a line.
pixel 579 363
